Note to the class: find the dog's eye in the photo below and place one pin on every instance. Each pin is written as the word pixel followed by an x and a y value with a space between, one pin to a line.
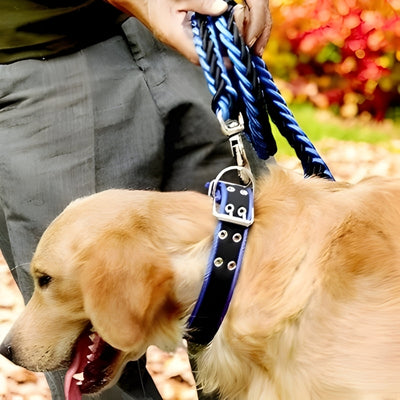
pixel 44 280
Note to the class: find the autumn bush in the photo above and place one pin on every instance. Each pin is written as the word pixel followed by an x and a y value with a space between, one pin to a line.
pixel 338 53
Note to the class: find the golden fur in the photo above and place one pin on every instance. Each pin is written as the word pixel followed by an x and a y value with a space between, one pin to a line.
pixel 315 315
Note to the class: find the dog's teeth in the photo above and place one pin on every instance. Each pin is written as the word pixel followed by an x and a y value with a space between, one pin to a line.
pixel 90 357
pixel 79 377
pixel 92 337
pixel 92 347
pixel 79 383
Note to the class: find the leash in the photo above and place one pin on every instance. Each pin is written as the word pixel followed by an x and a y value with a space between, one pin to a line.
pixel 245 98
pixel 248 92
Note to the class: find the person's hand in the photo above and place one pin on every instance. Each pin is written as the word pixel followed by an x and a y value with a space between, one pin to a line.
pixel 254 22
pixel 169 20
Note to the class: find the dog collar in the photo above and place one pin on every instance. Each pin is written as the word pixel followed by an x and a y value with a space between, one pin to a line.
pixel 234 209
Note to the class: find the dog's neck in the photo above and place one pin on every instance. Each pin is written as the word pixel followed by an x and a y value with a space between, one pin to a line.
pixel 193 239
pixel 188 240
pixel 189 273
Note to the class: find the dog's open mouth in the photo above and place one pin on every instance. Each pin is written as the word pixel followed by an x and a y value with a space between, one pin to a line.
pixel 91 367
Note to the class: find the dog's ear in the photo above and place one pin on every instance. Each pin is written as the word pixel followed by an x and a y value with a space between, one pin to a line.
pixel 127 287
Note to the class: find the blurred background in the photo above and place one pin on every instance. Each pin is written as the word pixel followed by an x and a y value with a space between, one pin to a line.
pixel 338 54
pixel 337 64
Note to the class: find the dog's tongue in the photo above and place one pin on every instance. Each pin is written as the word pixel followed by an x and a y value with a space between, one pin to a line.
pixel 85 347
pixel 71 389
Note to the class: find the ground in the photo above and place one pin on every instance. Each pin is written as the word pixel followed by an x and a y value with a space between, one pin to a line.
pixel 347 161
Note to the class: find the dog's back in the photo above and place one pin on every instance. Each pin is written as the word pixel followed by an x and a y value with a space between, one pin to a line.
pixel 316 314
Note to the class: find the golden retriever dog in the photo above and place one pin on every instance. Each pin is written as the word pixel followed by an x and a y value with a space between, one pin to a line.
pixel 315 313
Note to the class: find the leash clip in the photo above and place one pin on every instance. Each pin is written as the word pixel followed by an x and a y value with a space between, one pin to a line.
pixel 233 129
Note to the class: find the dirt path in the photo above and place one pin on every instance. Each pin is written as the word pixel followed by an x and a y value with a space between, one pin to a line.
pixel 347 161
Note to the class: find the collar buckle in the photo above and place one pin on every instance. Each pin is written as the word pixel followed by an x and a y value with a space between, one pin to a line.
pixel 243 216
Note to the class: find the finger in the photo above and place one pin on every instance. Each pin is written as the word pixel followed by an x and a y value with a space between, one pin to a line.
pixel 254 23
pixel 206 7
pixel 187 49
pixel 260 44
pixel 179 36
pixel 239 14
pixel 257 19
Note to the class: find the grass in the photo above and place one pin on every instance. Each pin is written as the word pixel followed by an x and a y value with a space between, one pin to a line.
pixel 322 125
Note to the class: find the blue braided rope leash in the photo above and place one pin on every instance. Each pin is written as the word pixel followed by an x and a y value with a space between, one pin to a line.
pixel 247 90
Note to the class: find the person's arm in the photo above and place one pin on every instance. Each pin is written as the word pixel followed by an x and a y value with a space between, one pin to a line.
pixel 169 20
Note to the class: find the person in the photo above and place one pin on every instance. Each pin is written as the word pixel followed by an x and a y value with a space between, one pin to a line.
pixel 90 99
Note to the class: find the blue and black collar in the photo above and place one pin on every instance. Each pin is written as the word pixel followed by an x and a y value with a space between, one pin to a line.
pixel 234 208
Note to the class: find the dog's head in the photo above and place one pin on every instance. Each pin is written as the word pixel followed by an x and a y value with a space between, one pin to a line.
pixel 104 286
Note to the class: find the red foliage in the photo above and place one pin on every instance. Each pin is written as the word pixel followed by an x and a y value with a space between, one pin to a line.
pixel 342 46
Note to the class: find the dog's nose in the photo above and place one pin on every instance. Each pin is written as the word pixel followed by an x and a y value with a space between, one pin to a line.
pixel 6 350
